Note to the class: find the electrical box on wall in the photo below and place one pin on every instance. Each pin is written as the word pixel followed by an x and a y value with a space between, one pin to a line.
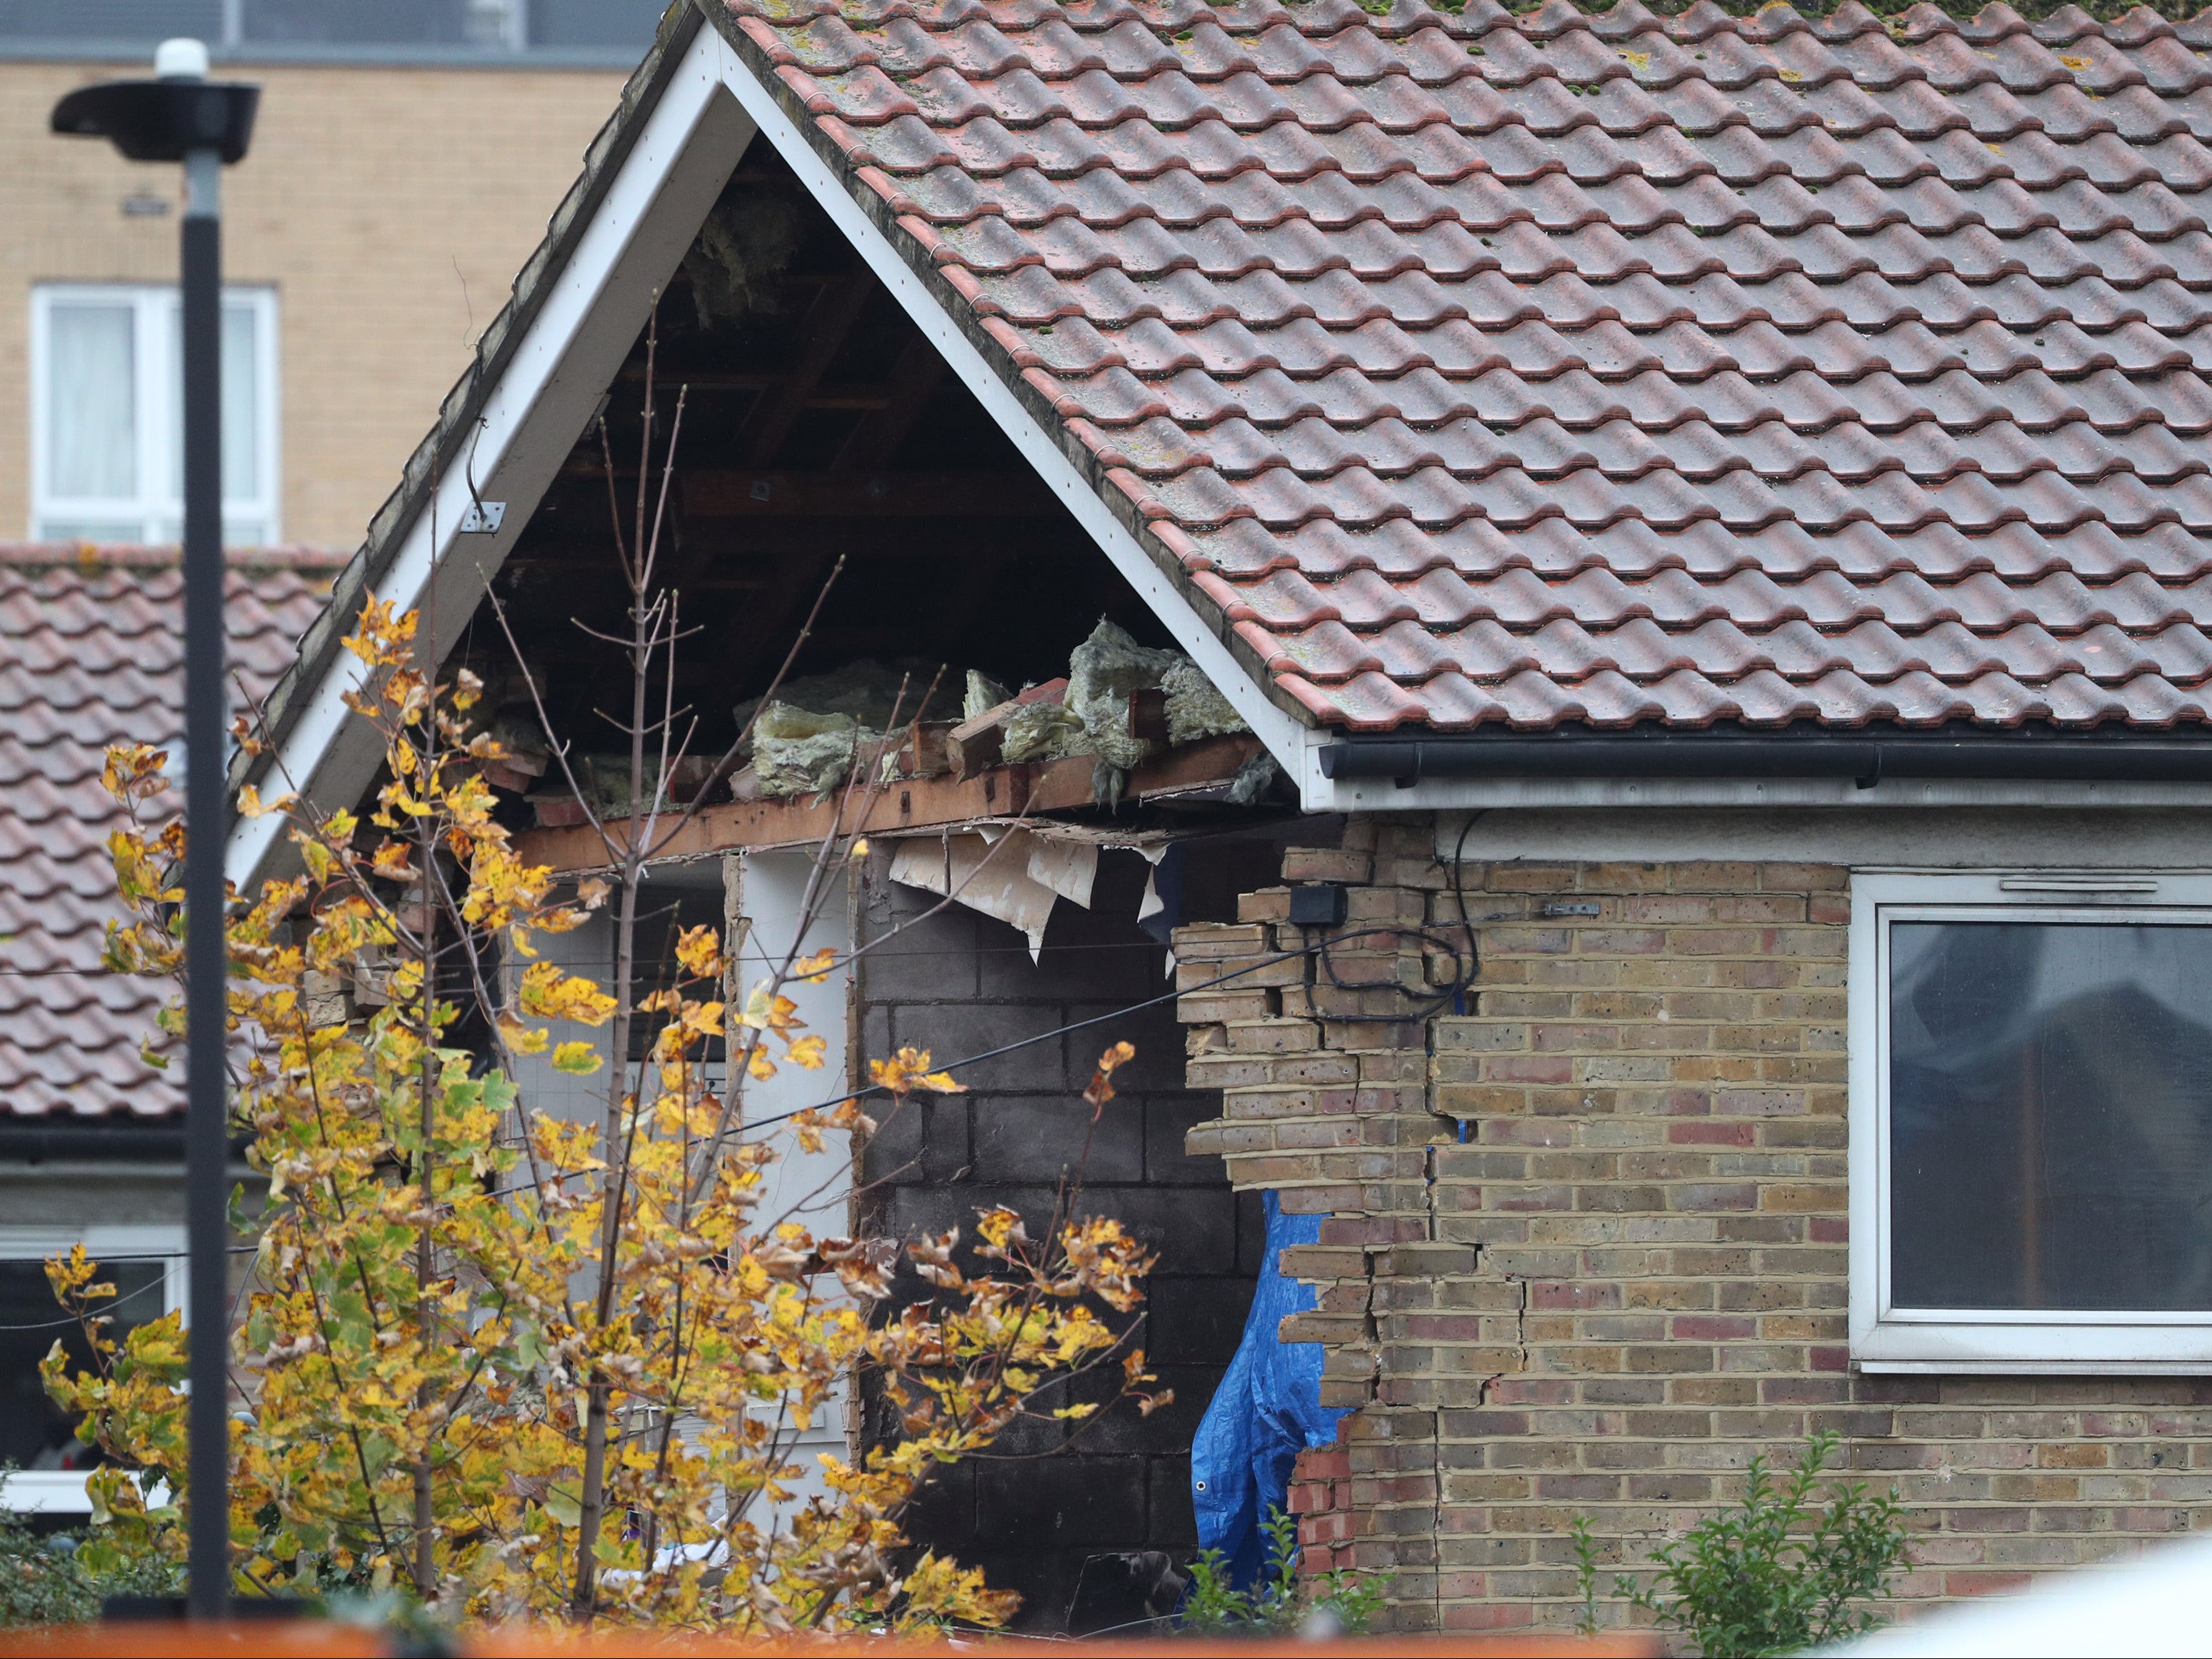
pixel 1317 904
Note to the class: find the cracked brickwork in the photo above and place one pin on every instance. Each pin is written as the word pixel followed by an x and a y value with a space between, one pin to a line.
pixel 1586 1244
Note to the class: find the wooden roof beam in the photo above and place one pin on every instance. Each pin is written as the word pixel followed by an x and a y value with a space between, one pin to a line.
pixel 941 802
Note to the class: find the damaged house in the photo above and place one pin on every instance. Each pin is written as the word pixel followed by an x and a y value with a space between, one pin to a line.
pixel 1618 601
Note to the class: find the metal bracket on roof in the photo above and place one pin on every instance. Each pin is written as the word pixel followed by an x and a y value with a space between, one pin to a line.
pixel 484 519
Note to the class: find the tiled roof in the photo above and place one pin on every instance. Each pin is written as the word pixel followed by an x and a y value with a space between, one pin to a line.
pixel 91 653
pixel 1595 369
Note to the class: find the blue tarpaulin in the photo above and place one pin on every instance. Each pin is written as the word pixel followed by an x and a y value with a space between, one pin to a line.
pixel 1265 1411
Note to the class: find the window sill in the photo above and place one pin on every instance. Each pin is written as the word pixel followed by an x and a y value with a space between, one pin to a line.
pixel 2033 1367
pixel 45 1491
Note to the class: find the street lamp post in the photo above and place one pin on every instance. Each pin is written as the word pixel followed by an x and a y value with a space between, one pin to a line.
pixel 182 116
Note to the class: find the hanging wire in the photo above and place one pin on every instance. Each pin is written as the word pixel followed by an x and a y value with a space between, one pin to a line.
pixel 110 1302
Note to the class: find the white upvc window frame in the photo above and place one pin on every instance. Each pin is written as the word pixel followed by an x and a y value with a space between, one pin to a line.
pixel 62 1492
pixel 156 510
pixel 1884 1338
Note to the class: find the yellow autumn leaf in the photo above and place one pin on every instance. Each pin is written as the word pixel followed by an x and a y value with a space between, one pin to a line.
pixel 908 1069
pixel 251 805
pixel 699 949
pixel 807 1052
pixel 548 992
pixel 577 1058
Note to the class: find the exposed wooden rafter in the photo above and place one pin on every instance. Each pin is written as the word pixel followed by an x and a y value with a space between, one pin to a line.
pixel 1004 792
pixel 879 434
pixel 757 495
pixel 828 322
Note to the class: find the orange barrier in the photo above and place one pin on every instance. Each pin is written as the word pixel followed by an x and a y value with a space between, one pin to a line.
pixel 311 1640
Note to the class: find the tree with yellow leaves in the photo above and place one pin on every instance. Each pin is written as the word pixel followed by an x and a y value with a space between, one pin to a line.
pixel 520 1365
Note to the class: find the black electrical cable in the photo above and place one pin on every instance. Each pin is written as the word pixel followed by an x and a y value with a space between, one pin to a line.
pixel 1459 893
pixel 109 1302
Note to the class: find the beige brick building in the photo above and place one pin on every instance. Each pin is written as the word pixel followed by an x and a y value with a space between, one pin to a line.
pixel 1588 1245
pixel 385 206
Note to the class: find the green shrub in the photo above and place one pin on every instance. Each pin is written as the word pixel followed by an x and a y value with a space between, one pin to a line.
pixel 49 1580
pixel 1274 1606
pixel 1778 1573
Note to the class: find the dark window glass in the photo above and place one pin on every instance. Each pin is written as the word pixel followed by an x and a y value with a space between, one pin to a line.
pixel 2051 1115
pixel 624 24
pixel 346 22
pixel 110 22
pixel 34 1432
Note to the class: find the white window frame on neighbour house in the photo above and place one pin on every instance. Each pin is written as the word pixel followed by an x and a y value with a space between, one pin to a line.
pixel 152 510
pixel 52 1491
pixel 1885 1338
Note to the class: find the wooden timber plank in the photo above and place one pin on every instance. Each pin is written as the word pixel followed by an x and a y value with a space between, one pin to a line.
pixel 1004 792
pixel 764 495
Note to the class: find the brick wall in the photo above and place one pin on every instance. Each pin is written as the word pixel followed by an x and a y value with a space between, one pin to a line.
pixel 1596 1260
pixel 391 208
pixel 957 984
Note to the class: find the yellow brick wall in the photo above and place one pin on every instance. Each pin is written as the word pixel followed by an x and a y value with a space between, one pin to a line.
pixel 1627 1274
pixel 390 208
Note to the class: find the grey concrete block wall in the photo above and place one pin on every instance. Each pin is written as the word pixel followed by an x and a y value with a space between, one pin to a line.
pixel 960 983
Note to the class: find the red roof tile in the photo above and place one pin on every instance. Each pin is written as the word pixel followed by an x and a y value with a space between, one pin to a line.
pixel 1606 368
pixel 91 653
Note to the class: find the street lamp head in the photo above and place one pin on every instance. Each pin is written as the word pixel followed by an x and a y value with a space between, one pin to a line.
pixel 181 59
pixel 167 118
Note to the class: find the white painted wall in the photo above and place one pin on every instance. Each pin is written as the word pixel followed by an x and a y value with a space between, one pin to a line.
pixel 814 1189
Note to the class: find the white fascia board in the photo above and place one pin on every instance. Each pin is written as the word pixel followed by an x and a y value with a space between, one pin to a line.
pixel 1381 795
pixel 1958 838
pixel 1293 745
pixel 689 144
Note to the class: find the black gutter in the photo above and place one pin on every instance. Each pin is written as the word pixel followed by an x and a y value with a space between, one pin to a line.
pixel 1865 762
pixel 32 1142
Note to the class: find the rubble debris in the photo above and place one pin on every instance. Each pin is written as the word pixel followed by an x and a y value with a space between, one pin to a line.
pixel 1253 779
pixel 806 740
pixel 984 694
pixel 1043 730
pixel 1101 672
pixel 1122 701
pixel 798 751
pixel 1194 708
pixel 605 780
pixel 1006 732
pixel 736 267
pixel 914 751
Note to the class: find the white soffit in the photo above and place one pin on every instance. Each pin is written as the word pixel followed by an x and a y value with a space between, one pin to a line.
pixel 688 145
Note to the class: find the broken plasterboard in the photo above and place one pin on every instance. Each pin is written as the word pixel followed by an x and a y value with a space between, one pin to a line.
pixel 985 874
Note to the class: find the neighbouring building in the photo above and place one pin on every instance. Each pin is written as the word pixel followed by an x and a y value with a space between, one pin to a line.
pixel 91 1136
pixel 1699 524
pixel 407 154
pixel 407 158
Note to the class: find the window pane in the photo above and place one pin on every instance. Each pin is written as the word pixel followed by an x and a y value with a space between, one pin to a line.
pixel 137 23
pixel 34 1432
pixel 241 404
pixel 2051 1115
pixel 624 24
pixel 102 535
pixel 91 403
pixel 336 22
pixel 242 412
